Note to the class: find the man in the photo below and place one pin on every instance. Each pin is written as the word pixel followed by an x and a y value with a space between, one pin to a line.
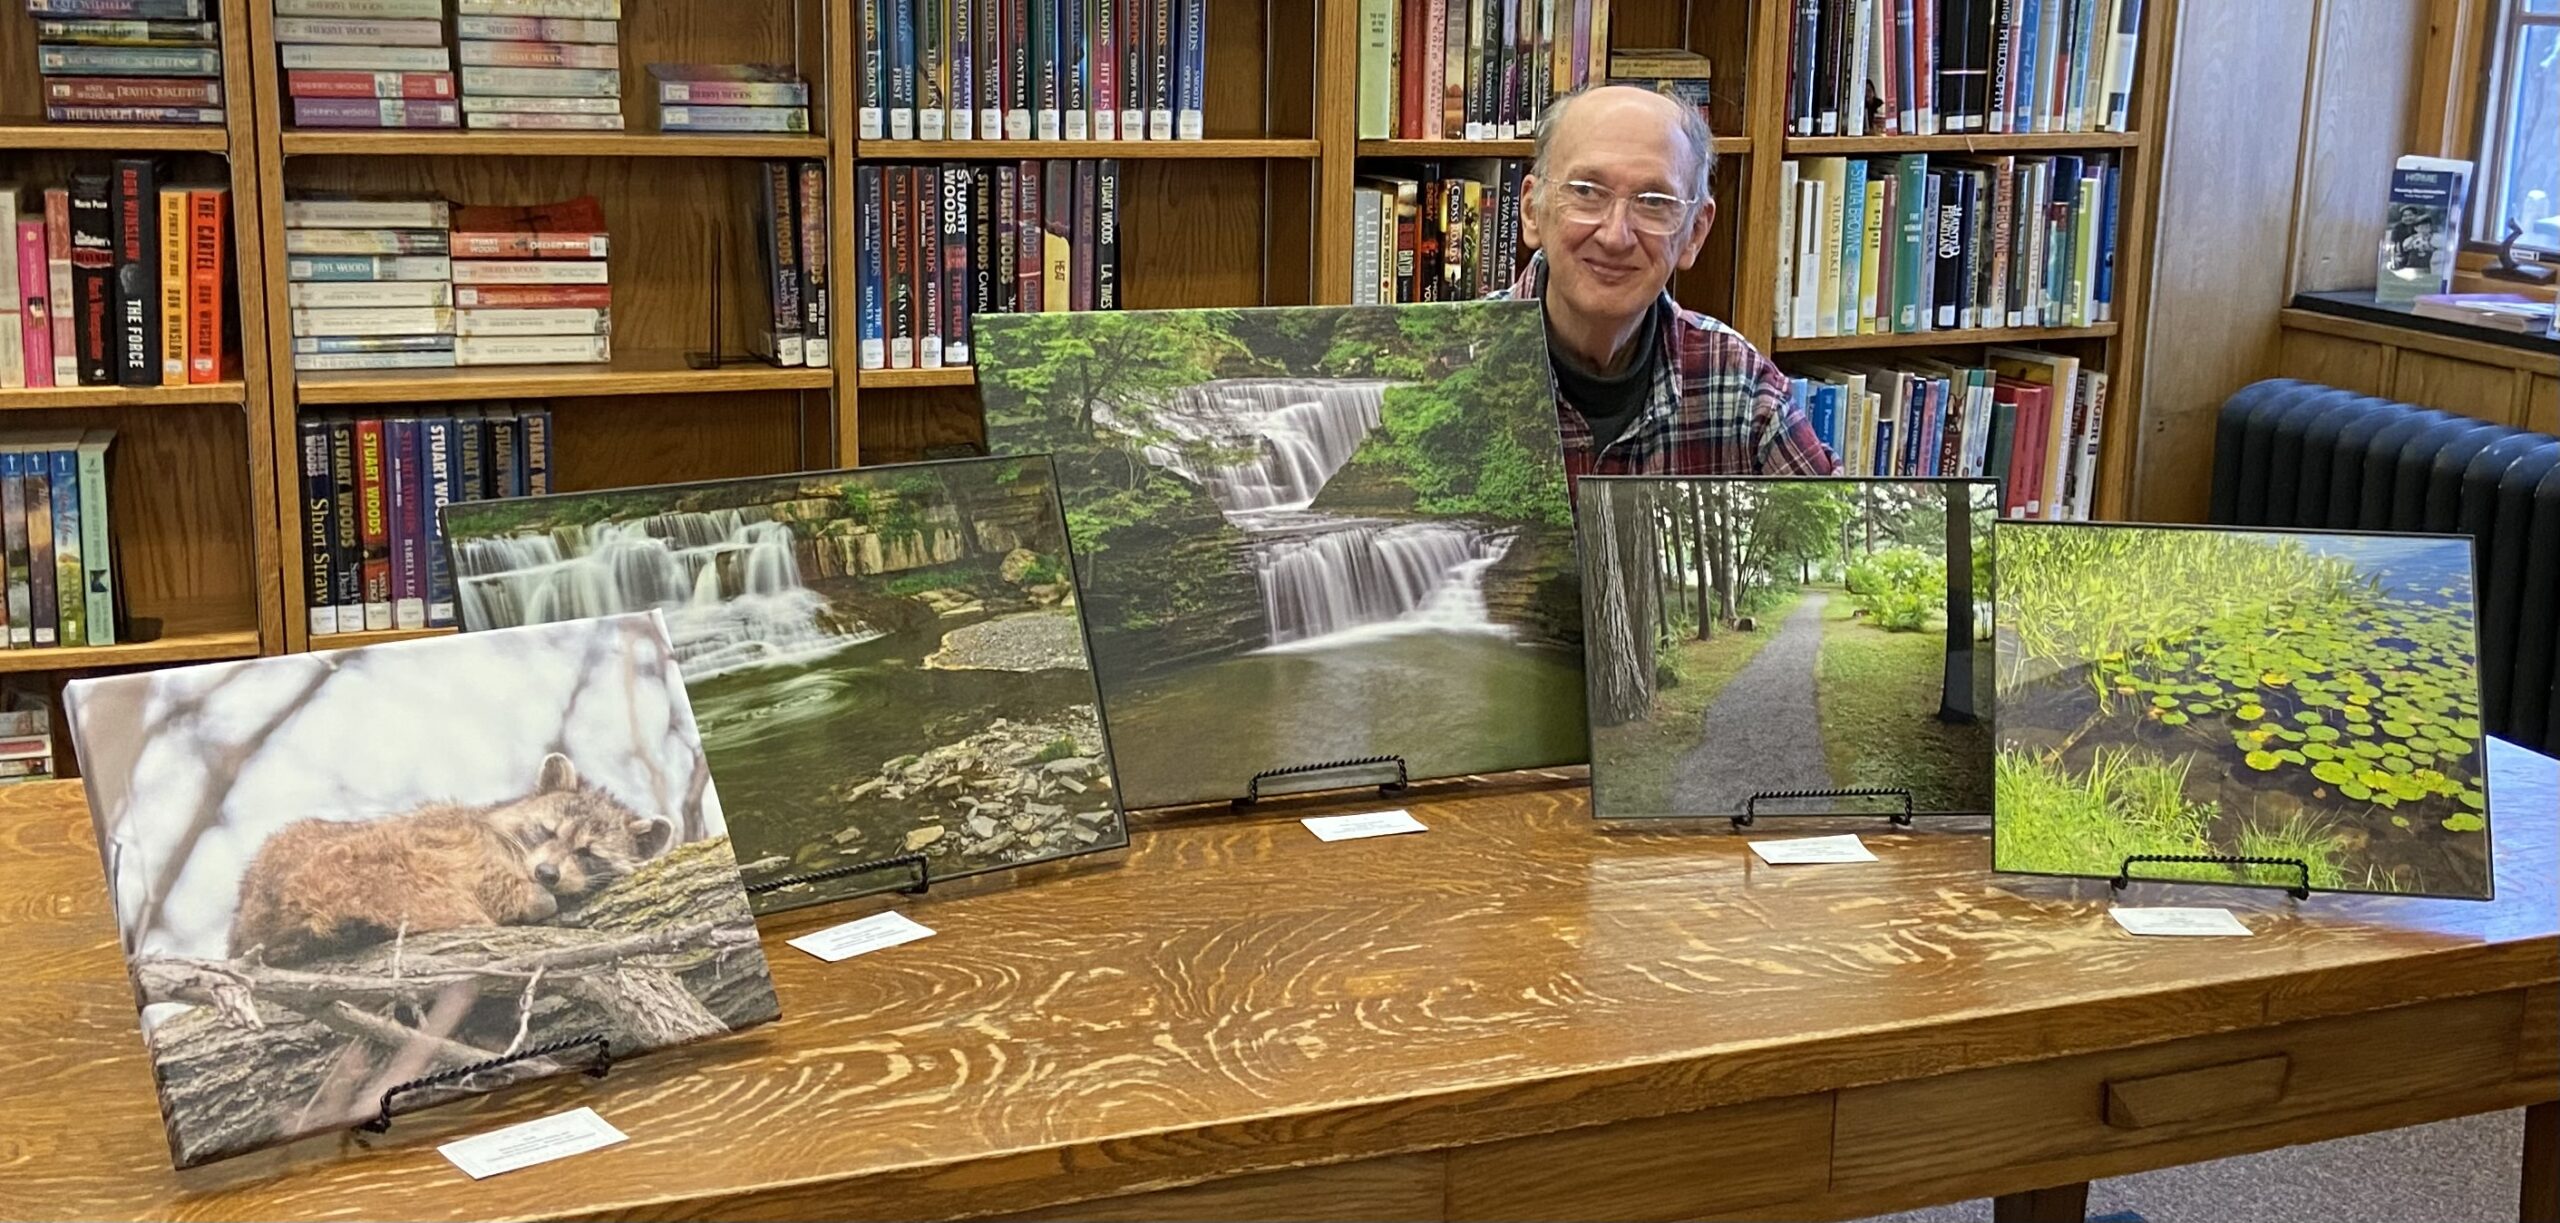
pixel 1617 202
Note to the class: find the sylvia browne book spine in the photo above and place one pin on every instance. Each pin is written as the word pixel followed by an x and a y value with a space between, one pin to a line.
pixel 872 334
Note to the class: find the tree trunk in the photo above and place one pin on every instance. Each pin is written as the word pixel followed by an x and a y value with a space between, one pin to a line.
pixel 1956 704
pixel 1658 559
pixel 1621 658
pixel 1698 547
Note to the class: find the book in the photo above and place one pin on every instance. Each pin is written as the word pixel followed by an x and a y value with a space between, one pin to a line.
pixel 319 524
pixel 589 9
pixel 317 344
pixel 137 271
pixel 325 361
pixel 1057 237
pixel 436 444
pixel 365 58
pixel 327 212
pixel 62 299
pixel 170 281
pixel 543 82
pixel 43 587
pixel 381 112
pixel 373 507
pixel 2507 312
pixel 569 229
pixel 540 120
pixel 476 54
pixel 13 519
pixel 500 104
pixel 34 354
pixel 564 321
pixel 529 272
pixel 536 29
pixel 536 297
pixel 93 265
pixel 733 119
pixel 531 350
pixel 324 294
pixel 371 320
pixel 87 91
pixel 369 267
pixel 953 260
pixel 65 60
pixel 378 9
pixel 359 32
pixel 404 493
pixel 115 32
pixel 151 10
pixel 777 240
pixel 871 334
pixel 346 535
pixel 1106 260
pixel 816 326
pixel 97 551
pixel 411 86
pixel 730 85
pixel 13 299
pixel 365 242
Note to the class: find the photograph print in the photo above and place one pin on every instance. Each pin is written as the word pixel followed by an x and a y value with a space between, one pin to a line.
pixel 342 871
pixel 2253 693
pixel 1749 636
pixel 884 661
pixel 1307 534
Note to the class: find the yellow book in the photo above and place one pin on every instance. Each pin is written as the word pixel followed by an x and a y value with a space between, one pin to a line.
pixel 173 286
pixel 1871 260
pixel 1058 258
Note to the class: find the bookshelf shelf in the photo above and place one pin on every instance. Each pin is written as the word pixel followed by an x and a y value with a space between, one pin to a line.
pixel 174 647
pixel 955 375
pixel 1966 142
pixel 1125 150
pixel 19 133
pixel 1933 339
pixel 349 641
pixel 1726 146
pixel 631 372
pixel 550 144
pixel 121 396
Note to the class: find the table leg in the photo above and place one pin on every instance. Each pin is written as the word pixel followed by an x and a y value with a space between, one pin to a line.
pixel 2539 1199
pixel 2060 1204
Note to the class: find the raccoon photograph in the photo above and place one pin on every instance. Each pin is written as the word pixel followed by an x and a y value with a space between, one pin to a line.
pixel 338 873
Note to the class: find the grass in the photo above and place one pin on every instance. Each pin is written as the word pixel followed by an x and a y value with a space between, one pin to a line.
pixel 1634 761
pixel 1877 695
pixel 2055 822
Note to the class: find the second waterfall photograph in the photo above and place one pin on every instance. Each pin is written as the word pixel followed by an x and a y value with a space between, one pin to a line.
pixel 1307 534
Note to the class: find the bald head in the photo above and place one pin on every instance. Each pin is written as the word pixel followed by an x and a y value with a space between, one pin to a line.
pixel 1617 108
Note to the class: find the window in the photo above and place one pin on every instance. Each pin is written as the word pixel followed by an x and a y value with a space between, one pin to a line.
pixel 2519 155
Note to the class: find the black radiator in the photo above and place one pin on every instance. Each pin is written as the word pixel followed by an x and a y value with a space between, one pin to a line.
pixel 2299 454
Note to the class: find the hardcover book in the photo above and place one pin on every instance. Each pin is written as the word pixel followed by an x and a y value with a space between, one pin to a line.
pixel 329 916
pixel 885 661
pixel 2200 691
pixel 1749 637
pixel 1308 534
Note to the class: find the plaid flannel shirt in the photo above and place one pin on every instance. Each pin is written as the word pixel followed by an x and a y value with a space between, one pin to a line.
pixel 1718 408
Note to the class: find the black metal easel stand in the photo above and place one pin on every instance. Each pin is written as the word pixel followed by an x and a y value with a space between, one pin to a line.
pixel 595 1069
pixel 2124 873
pixel 916 862
pixel 1901 819
pixel 712 355
pixel 1253 788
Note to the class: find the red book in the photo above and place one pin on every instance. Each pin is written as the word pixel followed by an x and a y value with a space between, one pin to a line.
pixel 131 91
pixel 926 225
pixel 899 253
pixel 1088 204
pixel 35 337
pixel 2025 481
pixel 571 229
pixel 1887 87
pixel 373 501
pixel 208 219
pixel 431 86
pixel 1106 35
pixel 533 297
pixel 1409 94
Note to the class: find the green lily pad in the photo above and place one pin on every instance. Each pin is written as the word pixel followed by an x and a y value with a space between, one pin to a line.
pixel 2263 761
pixel 2332 772
pixel 2465 822
pixel 2356 790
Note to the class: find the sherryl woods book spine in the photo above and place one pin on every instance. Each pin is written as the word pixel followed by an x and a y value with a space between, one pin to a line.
pixel 872 334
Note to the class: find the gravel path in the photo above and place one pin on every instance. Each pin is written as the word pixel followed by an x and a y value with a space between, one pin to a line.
pixel 1028 641
pixel 1760 733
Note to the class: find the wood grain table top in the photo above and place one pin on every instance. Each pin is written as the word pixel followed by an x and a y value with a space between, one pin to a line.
pixel 1233 996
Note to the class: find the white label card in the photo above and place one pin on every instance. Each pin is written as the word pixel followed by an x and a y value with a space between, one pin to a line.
pixel 1365 824
pixel 856 937
pixel 534 1142
pixel 1807 850
pixel 2188 923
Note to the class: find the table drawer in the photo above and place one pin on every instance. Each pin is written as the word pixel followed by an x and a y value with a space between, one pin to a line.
pixel 1685 1166
pixel 2074 1107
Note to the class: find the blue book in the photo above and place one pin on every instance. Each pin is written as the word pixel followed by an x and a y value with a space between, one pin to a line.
pixel 71 580
pixel 13 492
pixel 1800 401
pixel 319 528
pixel 436 438
pixel 1853 228
pixel 1882 464
pixel 901 54
pixel 1190 88
pixel 1826 416
pixel 2103 294
pixel 534 452
pixel 2022 102
pixel 872 278
pixel 404 485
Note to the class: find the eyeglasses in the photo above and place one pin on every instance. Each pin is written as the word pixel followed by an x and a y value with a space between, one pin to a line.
pixel 1648 212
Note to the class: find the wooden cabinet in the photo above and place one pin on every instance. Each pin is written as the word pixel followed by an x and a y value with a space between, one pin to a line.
pixel 2475 378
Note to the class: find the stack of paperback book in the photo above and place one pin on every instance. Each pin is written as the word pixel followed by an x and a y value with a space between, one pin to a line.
pixel 1683 76
pixel 117 279
pixel 371 287
pixel 1900 244
pixel 372 492
pixel 366 63
pixel 541 63
pixel 554 64
pixel 1437 237
pixel 529 285
pixel 2029 419
pixel 1920 67
pixel 53 502
pixel 1474 69
pixel 944 244
pixel 129 61
pixel 730 98
pixel 1033 69
pixel 26 730
pixel 791 231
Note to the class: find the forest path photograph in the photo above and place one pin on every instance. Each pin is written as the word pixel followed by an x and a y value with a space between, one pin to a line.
pixel 1763 722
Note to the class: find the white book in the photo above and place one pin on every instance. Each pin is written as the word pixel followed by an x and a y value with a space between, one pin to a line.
pixel 366 214
pixel 337 294
pixel 532 350
pixel 2092 431
pixel 13 371
pixel 386 320
pixel 548 320
pixel 320 361
pixel 367 59
pixel 360 33
pixel 1365 203
pixel 369 9
pixel 1809 213
pixel 1786 288
pixel 1861 16
pixel 529 272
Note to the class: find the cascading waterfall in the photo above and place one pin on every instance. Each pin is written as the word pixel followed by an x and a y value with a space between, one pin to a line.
pixel 1263 448
pixel 728 585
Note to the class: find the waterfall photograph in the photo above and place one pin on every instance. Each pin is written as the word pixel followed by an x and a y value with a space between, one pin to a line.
pixel 883 661
pixel 1749 636
pixel 1307 534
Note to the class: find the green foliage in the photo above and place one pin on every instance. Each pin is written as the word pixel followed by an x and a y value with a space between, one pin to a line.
pixel 1668 666
pixel 1044 570
pixel 2300 839
pixel 1459 437
pixel 1899 588
pixel 1056 749
pixel 858 502
pixel 1877 694
pixel 2055 822
pixel 1635 758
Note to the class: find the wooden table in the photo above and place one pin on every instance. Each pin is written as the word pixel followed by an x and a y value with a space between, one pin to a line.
pixel 1518 1014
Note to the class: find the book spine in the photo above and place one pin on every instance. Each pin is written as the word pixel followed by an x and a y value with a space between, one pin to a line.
pixel 982 242
pixel 70 576
pixel 816 327
pixel 1030 269
pixel 900 54
pixel 45 608
pixel 538 55
pixel 570 320
pixel 171 312
pixel 364 59
pixel 359 8
pixel 137 272
pixel 1047 67
pixel 1075 79
pixel 374 505
pixel 1057 237
pixel 872 111
pixel 537 29
pixel 13 511
pixel 1080 257
pixel 506 456
pixel 93 261
pixel 776 236
pixel 359 32
pixel 536 451
pixel 990 49
pixel 133 10
pixel 62 300
pixel 1162 21
pixel 383 268
pixel 372 343
pixel 319 585
pixel 366 242
pixel 470 456
pixel 899 258
pixel 933 69
pixel 345 535
pixel 1106 231
pixel 404 486
pixel 86 91
pixel 926 228
pixel 1021 69
pixel 34 354
pixel 1104 19
pixel 544 82
pixel 97 546
pixel 435 441
pixel 490 297
pixel 393 112
pixel 872 334
pixel 529 272
pixel 1006 242
pixel 1133 23
pixel 208 219
pixel 531 350
pixel 954 260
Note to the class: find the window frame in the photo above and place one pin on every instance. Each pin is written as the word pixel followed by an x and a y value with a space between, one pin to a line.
pixel 2502 31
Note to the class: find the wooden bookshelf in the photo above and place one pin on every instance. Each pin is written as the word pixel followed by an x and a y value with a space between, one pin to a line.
pixel 1258 214
pixel 191 482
